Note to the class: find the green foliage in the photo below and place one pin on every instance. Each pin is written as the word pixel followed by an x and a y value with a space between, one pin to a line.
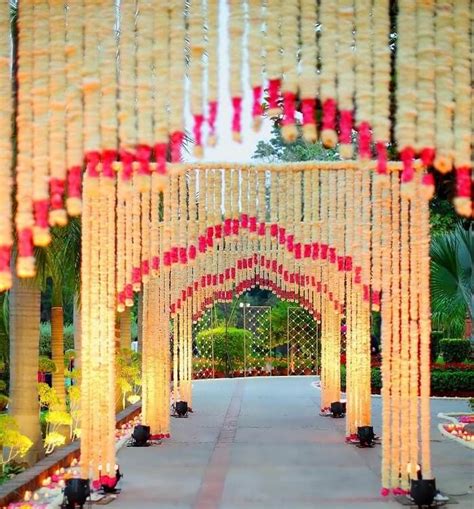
pixel 442 381
pixel 228 344
pixel 129 375
pixel 45 338
pixel 455 350
pixel 47 396
pixel 443 217
pixel 436 337
pixel 46 365
pixel 12 442
pixel 4 400
pixel 276 150
pixel 452 259
pixel 452 381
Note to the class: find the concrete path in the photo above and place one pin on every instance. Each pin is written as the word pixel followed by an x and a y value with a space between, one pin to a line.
pixel 259 443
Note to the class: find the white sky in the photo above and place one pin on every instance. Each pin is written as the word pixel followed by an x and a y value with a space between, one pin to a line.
pixel 226 149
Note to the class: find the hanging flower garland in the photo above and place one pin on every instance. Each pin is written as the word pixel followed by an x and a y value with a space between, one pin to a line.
pixel 328 20
pixel 176 74
pixel 289 40
pixel 255 44
pixel 40 104
pixel 196 71
pixel 308 78
pixel 236 35
pixel 212 68
pixel 363 76
pixel 425 81
pixel 24 184
pixel 444 83
pixel 381 82
pixel 462 110
pixel 57 118
pixel 74 107
pixel 386 368
pixel 406 93
pixel 6 154
pixel 273 60
pixel 161 56
pixel 345 75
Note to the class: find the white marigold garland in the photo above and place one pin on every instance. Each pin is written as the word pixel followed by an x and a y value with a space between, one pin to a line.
pixel 196 71
pixel 308 78
pixel 6 153
pixel 462 109
pixel 74 106
pixel 289 40
pixel 444 82
pixel 40 103
pixel 328 40
pixel 381 84
pixel 345 75
pixel 57 118
pixel 24 183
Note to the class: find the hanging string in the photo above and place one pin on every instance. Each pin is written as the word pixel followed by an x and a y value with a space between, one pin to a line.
pixel 462 109
pixel 40 101
pixel 74 106
pixel 308 78
pixel 57 117
pixel 236 34
pixel 6 153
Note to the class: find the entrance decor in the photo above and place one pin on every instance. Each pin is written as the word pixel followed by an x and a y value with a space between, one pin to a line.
pixel 99 128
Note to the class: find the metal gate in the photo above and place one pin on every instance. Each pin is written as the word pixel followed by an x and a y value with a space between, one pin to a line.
pixel 258 340
pixel 204 365
pixel 302 342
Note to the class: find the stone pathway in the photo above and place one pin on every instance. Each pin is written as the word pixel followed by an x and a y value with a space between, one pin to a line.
pixel 259 443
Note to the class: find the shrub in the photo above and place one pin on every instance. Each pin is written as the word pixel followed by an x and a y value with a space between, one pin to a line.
pixel 455 350
pixel 452 381
pixel 227 345
pixel 436 337
pixel 45 338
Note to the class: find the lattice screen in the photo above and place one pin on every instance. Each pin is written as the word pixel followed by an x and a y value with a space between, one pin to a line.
pixel 303 342
pixel 203 350
pixel 258 345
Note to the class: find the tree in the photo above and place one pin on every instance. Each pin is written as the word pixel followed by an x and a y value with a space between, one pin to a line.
pixel 24 348
pixel 60 264
pixel 276 150
pixel 452 259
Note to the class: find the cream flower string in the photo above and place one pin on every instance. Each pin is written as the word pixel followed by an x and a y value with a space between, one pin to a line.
pixel 6 153
pixel 74 107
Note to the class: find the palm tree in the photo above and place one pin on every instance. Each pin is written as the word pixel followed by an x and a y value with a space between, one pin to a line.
pixel 452 259
pixel 60 262
pixel 24 330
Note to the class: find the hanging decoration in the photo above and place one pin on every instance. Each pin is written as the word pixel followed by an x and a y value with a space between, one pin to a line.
pixel 6 152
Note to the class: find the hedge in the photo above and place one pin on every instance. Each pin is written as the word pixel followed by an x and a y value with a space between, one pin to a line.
pixel 455 350
pixel 442 380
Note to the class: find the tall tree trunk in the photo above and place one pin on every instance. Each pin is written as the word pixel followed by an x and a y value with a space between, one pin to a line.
pixel 24 352
pixel 77 331
pixel 140 321
pixel 125 328
pixel 57 344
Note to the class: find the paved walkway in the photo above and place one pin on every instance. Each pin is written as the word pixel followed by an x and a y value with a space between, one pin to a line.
pixel 258 443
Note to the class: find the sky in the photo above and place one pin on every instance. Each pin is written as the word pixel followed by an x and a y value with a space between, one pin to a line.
pixel 226 149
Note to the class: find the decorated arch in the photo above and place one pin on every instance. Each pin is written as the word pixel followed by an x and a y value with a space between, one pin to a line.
pixel 101 94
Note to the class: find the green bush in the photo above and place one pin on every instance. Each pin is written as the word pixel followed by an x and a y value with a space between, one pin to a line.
pixel 452 381
pixel 442 381
pixel 455 350
pixel 228 344
pixel 45 338
pixel 436 337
